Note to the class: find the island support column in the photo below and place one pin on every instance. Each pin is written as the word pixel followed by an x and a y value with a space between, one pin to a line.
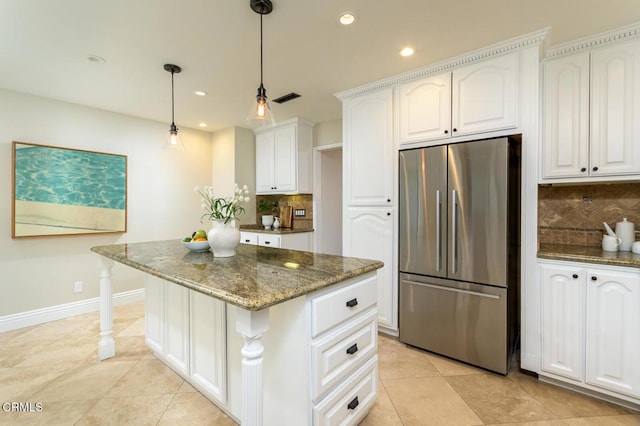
pixel 251 325
pixel 106 346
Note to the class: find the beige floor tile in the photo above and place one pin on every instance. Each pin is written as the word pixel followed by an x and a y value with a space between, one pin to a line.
pixel 54 330
pixel 497 399
pixel 194 409
pixel 383 413
pixel 186 388
pixel 429 401
pixel 86 381
pixel 55 413
pixel 625 420
pixel 130 411
pixel 566 403
pixel 554 422
pixel 134 329
pixel 20 384
pixel 399 361
pixel 128 348
pixel 449 367
pixel 147 378
pixel 59 352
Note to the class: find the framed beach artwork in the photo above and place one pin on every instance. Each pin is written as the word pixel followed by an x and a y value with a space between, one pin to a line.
pixel 62 191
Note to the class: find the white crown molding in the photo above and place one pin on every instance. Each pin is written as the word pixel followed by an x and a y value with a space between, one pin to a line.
pixel 67 310
pixel 502 48
pixel 623 33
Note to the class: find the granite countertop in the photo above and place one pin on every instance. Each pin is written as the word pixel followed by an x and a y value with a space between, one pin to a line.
pixel 588 255
pixel 256 278
pixel 261 230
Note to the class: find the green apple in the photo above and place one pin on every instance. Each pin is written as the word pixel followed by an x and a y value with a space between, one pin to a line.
pixel 200 233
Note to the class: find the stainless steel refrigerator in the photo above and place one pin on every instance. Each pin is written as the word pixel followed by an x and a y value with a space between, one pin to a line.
pixel 459 250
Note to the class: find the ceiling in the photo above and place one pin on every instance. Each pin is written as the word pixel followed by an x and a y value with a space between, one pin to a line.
pixel 45 44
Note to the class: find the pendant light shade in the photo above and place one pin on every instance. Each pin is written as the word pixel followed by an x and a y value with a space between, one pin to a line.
pixel 260 113
pixel 173 138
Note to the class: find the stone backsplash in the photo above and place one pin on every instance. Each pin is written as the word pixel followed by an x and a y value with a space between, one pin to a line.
pixel 574 214
pixel 298 201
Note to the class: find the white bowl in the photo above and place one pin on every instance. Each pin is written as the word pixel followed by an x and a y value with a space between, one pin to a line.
pixel 197 246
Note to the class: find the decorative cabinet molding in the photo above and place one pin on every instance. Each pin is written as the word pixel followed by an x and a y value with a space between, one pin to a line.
pixel 592 114
pixel 591 327
pixel 283 158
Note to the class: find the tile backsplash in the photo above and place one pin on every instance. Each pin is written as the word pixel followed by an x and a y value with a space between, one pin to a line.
pixel 298 201
pixel 574 214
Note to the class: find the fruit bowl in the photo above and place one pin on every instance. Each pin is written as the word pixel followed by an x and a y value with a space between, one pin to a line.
pixel 197 246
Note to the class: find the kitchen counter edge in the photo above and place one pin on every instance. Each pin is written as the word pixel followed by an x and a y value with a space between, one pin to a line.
pixel 587 254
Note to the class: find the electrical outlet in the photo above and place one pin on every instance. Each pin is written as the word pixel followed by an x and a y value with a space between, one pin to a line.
pixel 300 212
pixel 77 287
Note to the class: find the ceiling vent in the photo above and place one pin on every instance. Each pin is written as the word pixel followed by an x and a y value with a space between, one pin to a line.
pixel 286 98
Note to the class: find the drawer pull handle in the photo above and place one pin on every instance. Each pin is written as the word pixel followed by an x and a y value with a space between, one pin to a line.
pixel 352 349
pixel 351 303
pixel 353 404
pixel 575 276
pixel 267 242
pixel 247 241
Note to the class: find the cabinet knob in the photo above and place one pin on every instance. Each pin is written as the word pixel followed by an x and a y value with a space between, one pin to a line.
pixel 352 349
pixel 446 132
pixel 455 130
pixel 353 404
pixel 388 213
pixel 388 200
pixel 594 278
pixel 584 169
pixel 247 241
pixel 575 276
pixel 595 169
pixel 351 303
pixel 267 242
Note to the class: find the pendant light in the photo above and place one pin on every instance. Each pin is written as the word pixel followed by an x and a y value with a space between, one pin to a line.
pixel 260 113
pixel 173 139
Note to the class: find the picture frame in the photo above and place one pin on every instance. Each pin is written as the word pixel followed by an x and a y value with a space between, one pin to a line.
pixel 60 191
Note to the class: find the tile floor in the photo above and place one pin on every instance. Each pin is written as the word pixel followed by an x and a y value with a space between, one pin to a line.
pixel 55 364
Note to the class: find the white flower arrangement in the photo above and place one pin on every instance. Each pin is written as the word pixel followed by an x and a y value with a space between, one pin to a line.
pixel 224 209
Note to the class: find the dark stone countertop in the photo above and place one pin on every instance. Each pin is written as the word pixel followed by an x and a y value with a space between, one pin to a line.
pixel 256 278
pixel 588 255
pixel 260 229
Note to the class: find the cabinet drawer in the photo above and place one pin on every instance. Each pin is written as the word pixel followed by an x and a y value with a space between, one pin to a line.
pixel 333 308
pixel 269 240
pixel 351 401
pixel 248 238
pixel 342 351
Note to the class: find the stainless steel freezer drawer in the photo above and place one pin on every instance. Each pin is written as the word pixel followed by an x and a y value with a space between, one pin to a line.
pixel 464 321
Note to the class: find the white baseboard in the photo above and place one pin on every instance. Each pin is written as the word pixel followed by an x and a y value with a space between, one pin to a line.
pixel 52 313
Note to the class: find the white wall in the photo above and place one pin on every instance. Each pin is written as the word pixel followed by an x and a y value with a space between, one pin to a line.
pixel 39 272
pixel 327 132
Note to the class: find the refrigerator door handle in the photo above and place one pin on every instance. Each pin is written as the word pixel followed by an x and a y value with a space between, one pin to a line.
pixel 454 290
pixel 454 231
pixel 438 231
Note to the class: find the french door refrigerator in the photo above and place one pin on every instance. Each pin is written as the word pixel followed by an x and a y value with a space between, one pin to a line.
pixel 459 250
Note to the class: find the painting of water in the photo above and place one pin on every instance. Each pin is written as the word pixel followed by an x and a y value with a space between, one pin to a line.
pixel 63 191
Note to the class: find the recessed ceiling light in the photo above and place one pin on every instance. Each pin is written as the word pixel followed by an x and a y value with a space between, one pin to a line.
pixel 200 93
pixel 347 18
pixel 202 124
pixel 96 59
pixel 407 51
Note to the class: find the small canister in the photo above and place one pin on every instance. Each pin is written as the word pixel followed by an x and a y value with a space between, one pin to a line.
pixel 626 231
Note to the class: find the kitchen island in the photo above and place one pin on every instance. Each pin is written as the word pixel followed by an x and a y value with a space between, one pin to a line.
pixel 207 318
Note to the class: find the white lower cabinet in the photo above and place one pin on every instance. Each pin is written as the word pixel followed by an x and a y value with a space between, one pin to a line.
pixel 591 327
pixel 302 241
pixel 320 351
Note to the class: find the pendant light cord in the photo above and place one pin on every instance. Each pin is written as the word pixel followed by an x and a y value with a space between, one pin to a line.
pixel 173 121
pixel 261 49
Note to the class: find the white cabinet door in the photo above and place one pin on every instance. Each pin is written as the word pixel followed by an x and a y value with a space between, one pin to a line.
pixel 615 109
pixel 566 117
pixel 176 350
pixel 484 96
pixel 264 162
pixel 369 234
pixel 208 345
pixel 368 167
pixel 563 308
pixel 284 159
pixel 425 109
pixel 154 313
pixel 613 331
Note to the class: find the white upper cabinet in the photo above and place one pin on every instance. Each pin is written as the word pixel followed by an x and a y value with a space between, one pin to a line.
pixel 476 98
pixel 283 158
pixel 368 174
pixel 592 114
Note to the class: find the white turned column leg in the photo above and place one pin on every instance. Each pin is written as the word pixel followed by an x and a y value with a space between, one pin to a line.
pixel 251 325
pixel 106 346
